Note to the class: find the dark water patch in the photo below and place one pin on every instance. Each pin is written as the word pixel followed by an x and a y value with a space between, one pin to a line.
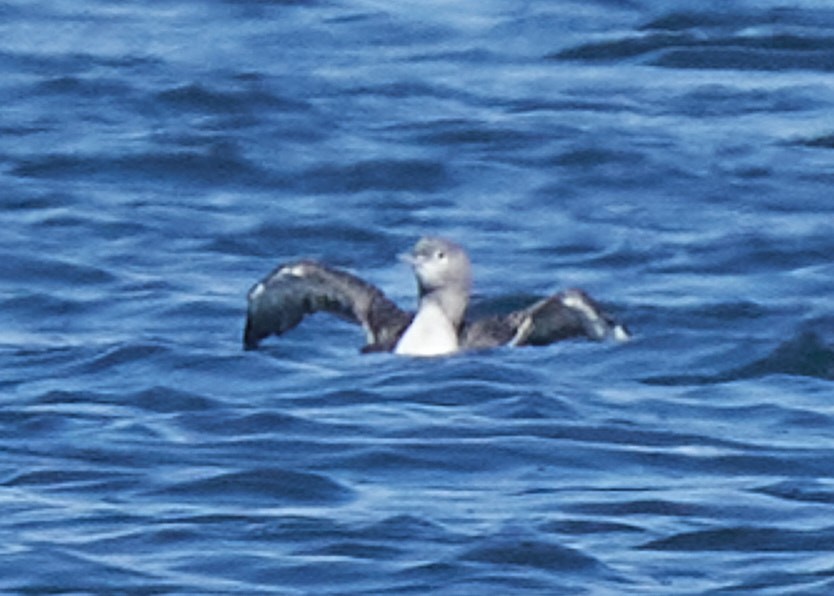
pixel 590 157
pixel 453 394
pixel 42 269
pixel 785 463
pixel 619 49
pixel 801 490
pixel 474 379
pixel 220 164
pixel 74 397
pixel 27 353
pixel 737 19
pixel 805 354
pixel 165 537
pixel 530 407
pixel 176 533
pixel 82 87
pixel 418 460
pixel 613 174
pixel 265 487
pixel 49 64
pixel 199 97
pixel 163 399
pixel 529 552
pixel 430 577
pixel 530 438
pixel 685 50
pixel 819 582
pixel 125 356
pixel 33 306
pixel 641 507
pixel 581 527
pixel 808 419
pixel 23 130
pixel 356 550
pixel 51 477
pixel 746 539
pixel 9 11
pixel 199 310
pixel 692 459
pixel 740 310
pixel 261 573
pixel 468 133
pixel 283 238
pixel 825 141
pixel 383 29
pixel 65 570
pixel 395 175
pixel 240 424
pixel 93 225
pixel 34 427
pixel 763 57
pixel 408 527
pixel 306 3
pixel 763 415
pixel 513 581
pixel 221 521
pixel 468 577
pixel 240 244
pixel 609 105
pixel 472 56
pixel 684 21
pixel 724 100
pixel 301 528
pixel 337 397
pixel 100 482
pixel 405 90
pixel 26 203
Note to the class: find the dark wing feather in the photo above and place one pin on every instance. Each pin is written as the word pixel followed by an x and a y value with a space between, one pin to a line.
pixel 292 291
pixel 562 316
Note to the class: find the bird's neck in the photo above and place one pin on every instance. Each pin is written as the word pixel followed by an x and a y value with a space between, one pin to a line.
pixel 452 301
pixel 433 331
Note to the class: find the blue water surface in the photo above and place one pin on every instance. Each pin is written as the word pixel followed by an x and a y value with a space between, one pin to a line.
pixel 158 158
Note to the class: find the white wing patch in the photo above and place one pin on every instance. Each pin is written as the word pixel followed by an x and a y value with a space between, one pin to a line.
pixel 297 270
pixel 257 291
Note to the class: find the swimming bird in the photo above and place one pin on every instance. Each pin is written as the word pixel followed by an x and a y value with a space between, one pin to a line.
pixel 444 277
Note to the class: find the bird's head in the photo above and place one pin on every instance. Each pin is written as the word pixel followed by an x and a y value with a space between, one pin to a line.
pixel 440 264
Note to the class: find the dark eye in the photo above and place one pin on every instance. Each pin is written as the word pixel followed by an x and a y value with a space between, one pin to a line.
pixel 440 255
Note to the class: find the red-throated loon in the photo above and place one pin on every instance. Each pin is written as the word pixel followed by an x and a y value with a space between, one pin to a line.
pixel 443 272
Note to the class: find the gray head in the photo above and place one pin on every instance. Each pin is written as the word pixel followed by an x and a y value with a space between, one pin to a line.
pixel 443 274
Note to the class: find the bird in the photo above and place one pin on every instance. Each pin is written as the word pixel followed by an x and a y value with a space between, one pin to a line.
pixel 439 327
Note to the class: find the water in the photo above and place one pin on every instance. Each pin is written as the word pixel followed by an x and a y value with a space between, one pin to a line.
pixel 158 159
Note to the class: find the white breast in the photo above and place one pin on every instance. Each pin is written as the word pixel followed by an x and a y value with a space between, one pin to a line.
pixel 430 334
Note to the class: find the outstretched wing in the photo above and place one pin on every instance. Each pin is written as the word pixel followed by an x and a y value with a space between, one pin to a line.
pixel 280 302
pixel 564 315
